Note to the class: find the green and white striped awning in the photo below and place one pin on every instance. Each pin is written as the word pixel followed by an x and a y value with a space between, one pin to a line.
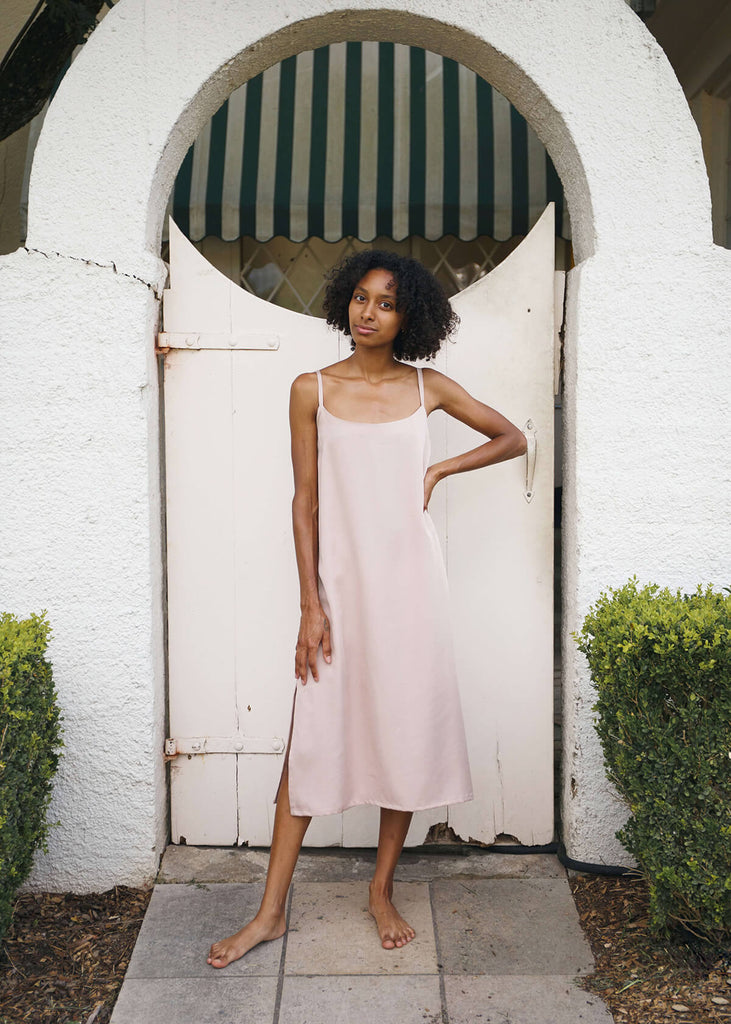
pixel 366 139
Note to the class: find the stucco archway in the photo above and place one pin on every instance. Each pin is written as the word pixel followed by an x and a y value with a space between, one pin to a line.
pixel 600 94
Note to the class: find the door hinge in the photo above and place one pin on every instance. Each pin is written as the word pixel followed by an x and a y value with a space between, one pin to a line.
pixel 194 341
pixel 223 745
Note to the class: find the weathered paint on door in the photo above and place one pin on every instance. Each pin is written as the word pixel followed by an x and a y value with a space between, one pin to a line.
pixel 232 581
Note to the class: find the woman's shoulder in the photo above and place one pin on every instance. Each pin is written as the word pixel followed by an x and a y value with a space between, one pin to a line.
pixel 304 383
pixel 440 390
pixel 433 375
pixel 305 390
pixel 303 394
pixel 434 380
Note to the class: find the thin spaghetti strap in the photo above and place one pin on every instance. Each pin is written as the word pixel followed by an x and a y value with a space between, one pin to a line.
pixel 421 384
pixel 319 388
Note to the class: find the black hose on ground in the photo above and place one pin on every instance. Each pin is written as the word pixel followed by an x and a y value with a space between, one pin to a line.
pixel 584 867
pixel 592 869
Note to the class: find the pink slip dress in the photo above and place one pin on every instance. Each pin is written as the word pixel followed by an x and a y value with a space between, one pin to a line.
pixel 384 723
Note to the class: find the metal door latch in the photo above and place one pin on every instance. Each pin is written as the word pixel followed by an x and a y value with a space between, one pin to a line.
pixel 530 458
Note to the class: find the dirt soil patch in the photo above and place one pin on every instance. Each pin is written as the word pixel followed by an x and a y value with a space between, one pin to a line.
pixel 64 957
pixel 645 980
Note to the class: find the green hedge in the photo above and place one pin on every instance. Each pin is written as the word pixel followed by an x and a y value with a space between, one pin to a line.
pixel 661 664
pixel 30 738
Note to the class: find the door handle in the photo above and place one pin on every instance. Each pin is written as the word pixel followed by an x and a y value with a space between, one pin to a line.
pixel 530 458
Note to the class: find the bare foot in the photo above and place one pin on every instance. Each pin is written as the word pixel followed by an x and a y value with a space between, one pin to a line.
pixel 392 929
pixel 222 953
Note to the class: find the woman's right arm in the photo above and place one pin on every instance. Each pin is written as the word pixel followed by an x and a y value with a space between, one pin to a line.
pixel 314 627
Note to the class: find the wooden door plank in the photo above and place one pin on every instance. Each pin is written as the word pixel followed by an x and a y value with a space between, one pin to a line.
pixel 200 592
pixel 203 800
pixel 267 588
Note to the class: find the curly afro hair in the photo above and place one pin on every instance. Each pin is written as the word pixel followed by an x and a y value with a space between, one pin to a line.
pixel 429 317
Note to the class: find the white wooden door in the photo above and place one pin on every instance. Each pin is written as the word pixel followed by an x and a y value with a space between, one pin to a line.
pixel 232 582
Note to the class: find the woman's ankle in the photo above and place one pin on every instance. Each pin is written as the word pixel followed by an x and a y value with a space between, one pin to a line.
pixel 380 888
pixel 270 912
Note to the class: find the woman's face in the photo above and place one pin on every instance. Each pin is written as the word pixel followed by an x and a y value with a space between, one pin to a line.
pixel 372 313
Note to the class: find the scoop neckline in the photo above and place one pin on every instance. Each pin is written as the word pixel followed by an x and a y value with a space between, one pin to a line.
pixel 372 423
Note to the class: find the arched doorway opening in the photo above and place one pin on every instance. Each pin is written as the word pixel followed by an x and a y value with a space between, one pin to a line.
pixel 431 186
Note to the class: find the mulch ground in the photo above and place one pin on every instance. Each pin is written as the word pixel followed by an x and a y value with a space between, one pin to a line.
pixel 645 980
pixel 64 958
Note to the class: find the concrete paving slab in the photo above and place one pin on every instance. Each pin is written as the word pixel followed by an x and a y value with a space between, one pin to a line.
pixel 521 1000
pixel 209 864
pixel 355 1000
pixel 508 926
pixel 478 864
pixel 183 920
pixel 331 931
pixel 215 1000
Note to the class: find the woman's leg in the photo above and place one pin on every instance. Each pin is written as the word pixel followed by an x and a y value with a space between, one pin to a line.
pixel 392 928
pixel 269 923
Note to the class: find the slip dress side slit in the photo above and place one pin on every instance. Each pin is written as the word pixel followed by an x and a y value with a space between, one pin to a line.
pixel 384 723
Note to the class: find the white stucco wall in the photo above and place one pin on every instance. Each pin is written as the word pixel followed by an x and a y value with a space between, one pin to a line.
pixel 81 537
pixel 646 473
pixel 647 352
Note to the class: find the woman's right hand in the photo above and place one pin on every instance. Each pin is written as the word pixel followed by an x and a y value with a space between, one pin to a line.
pixel 314 630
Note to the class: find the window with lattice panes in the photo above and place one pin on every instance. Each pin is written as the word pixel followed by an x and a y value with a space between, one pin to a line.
pixel 292 274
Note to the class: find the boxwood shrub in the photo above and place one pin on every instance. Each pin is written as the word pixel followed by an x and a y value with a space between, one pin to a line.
pixel 661 664
pixel 30 738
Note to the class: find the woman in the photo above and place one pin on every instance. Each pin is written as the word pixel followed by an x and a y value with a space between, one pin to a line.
pixel 377 718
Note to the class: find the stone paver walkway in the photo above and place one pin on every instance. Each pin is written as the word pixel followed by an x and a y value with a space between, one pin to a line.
pixel 498 941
